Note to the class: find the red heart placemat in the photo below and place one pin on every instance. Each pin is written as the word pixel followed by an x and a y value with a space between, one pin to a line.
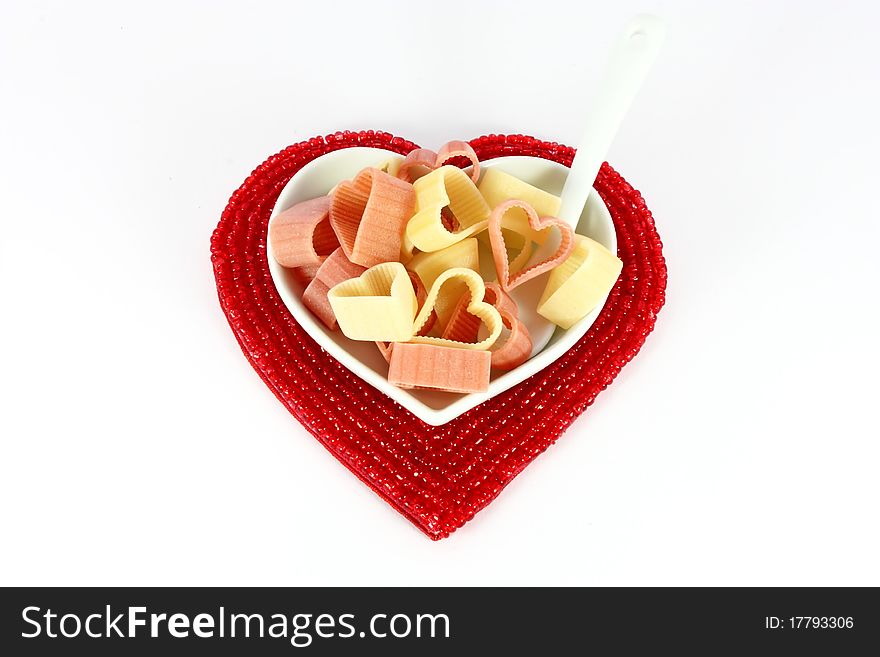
pixel 438 477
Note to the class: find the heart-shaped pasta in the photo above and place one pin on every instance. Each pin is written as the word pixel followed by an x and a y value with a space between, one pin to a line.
pixel 421 161
pixel 536 225
pixel 498 187
pixel 514 350
pixel 577 286
pixel 457 148
pixel 378 306
pixel 430 265
pixel 486 312
pixel 446 187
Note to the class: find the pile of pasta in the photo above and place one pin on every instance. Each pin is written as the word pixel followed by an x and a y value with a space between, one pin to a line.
pixel 392 257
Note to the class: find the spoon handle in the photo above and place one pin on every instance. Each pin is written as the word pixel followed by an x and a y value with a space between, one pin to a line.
pixel 628 64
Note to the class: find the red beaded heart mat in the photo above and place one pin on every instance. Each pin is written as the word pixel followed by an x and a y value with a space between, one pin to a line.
pixel 438 477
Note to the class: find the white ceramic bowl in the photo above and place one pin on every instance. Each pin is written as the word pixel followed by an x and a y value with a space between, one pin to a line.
pixel 363 358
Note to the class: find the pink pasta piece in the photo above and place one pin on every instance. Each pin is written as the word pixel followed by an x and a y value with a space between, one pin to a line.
pixel 306 274
pixel 369 216
pixel 301 236
pixel 334 270
pixel 453 149
pixel 517 348
pixel 500 299
pixel 439 368
pixel 385 348
pixel 499 251
pixel 418 288
pixel 417 163
pixel 464 327
pixel 423 160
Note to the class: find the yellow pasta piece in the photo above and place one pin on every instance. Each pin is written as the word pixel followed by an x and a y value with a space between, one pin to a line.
pixel 486 312
pixel 498 187
pixel 449 187
pixel 576 287
pixel 407 249
pixel 391 166
pixel 378 306
pixel 429 266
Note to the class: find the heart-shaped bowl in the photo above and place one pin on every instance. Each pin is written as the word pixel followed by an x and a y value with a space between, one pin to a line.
pixel 320 175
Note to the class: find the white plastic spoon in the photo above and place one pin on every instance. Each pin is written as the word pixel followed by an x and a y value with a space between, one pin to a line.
pixel 628 65
pixel 630 60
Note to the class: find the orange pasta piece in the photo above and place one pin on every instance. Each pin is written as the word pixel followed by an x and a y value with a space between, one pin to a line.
pixel 334 270
pixel 306 274
pixel 439 368
pixel 369 215
pixel 301 236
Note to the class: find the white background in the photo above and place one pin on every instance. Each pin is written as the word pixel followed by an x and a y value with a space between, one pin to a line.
pixel 138 445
